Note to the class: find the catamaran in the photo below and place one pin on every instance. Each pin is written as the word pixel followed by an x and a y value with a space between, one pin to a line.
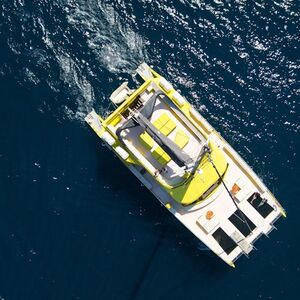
pixel 187 165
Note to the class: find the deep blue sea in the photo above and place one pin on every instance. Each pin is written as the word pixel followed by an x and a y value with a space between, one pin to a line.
pixel 74 222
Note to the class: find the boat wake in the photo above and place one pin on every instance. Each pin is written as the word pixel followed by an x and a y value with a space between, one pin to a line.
pixel 77 47
pixel 116 46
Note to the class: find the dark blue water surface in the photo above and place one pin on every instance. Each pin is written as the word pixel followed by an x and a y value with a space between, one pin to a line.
pixel 74 223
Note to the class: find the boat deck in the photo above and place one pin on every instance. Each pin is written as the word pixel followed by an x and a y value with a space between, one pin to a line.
pixel 170 171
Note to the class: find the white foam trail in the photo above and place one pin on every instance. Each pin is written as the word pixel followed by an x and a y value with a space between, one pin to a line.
pixel 84 94
pixel 117 47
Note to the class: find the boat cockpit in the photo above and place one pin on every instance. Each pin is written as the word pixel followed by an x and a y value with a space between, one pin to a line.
pixel 170 146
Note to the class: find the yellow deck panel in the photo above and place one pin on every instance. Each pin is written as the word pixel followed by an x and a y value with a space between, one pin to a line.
pixel 181 139
pixel 146 140
pixel 164 124
pixel 203 180
pixel 161 156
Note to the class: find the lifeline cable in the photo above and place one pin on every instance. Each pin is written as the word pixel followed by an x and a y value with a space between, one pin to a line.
pixel 238 209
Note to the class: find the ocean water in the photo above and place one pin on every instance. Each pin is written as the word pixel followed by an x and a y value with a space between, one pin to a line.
pixel 74 223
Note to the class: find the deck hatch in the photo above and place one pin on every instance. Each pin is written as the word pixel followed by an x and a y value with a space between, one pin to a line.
pixel 225 241
pixel 237 220
pixel 260 204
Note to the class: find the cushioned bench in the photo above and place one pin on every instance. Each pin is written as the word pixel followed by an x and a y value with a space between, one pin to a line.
pixel 181 139
pixel 165 125
pixel 161 156
pixel 158 153
pixel 146 140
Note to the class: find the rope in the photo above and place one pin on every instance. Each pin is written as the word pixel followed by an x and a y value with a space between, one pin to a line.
pixel 242 217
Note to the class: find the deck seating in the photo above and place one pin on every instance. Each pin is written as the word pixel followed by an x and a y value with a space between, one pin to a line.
pixel 181 139
pixel 164 124
pixel 146 140
pixel 161 156
pixel 158 153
